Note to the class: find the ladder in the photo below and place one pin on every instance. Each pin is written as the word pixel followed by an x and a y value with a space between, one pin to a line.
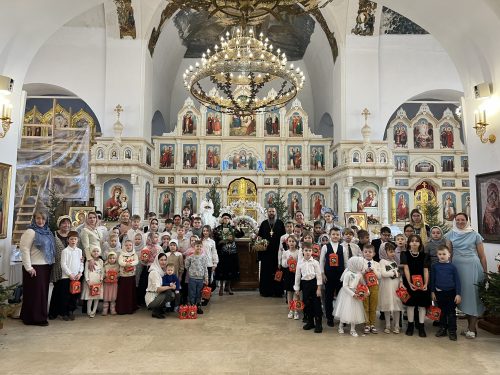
pixel 26 209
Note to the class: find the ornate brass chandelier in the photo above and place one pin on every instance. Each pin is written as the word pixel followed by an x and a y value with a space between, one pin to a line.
pixel 230 77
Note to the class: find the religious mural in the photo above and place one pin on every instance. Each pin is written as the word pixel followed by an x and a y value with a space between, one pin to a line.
pixel 365 198
pixel 424 166
pixel 446 136
pixel 189 123
pixel 317 157
pixel 466 203
pixel 243 159
pixel 269 198
pixel 423 134
pixel 214 123
pixel 295 125
pixel 335 198
pixel 449 206
pixel 400 136
pixel 447 163
pixel 126 18
pixel 355 157
pixel 190 156
pixel 147 199
pixel 294 153
pixel 294 203
pixel 365 20
pixel 448 183
pixel 402 206
pixel 117 197
pixel 213 157
pixel 394 23
pixel 369 157
pixel 167 156
pixel 335 159
pixel 464 161
pixel 243 125
pixel 317 202
pixel 424 193
pixel 272 157
pixel 166 205
pixel 272 123
pixel 189 200
pixel 401 163
pixel 401 182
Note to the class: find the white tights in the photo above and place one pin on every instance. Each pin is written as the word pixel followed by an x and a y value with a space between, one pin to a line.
pixel 92 307
pixel 410 311
pixel 353 326
pixel 289 297
pixel 395 317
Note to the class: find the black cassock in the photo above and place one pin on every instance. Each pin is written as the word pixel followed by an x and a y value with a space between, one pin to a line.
pixel 269 258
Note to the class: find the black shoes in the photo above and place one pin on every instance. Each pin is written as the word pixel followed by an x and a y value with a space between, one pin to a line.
pixel 421 330
pixel 329 322
pixel 409 329
pixel 199 311
pixel 157 314
pixel 452 336
pixel 309 325
pixel 442 332
pixel 318 326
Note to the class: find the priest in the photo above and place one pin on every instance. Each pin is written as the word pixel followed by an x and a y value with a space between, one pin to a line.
pixel 271 229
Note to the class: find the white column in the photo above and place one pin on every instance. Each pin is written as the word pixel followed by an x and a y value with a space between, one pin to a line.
pixel 98 198
pixel 347 201
pixel 385 206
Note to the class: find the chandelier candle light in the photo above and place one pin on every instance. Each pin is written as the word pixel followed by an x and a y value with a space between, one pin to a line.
pixel 243 63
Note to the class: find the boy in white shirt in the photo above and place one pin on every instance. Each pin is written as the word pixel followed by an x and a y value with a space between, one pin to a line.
pixel 72 269
pixel 348 244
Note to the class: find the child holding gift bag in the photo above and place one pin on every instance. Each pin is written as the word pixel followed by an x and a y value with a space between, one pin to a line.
pixel 416 279
pixel 289 261
pixel 126 300
pixel 349 308
pixel 72 269
pixel 371 274
pixel 92 288
pixel 111 271
pixel 388 301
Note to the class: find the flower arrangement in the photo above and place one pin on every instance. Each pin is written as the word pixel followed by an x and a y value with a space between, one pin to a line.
pixel 259 244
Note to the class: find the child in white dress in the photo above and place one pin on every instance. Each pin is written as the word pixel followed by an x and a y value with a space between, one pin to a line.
pixel 349 309
pixel 92 288
pixel 391 280
pixel 289 261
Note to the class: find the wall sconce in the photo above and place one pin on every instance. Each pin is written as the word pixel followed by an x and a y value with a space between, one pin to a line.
pixel 6 84
pixel 480 127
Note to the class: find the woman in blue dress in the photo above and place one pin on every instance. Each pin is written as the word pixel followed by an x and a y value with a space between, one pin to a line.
pixel 470 260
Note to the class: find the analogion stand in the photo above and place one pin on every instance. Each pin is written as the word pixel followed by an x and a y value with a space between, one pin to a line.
pixel 249 266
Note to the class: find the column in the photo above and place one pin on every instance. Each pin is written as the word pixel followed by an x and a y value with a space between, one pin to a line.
pixel 98 197
pixel 347 200
pixel 385 206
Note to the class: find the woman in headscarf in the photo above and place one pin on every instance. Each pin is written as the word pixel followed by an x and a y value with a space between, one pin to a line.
pixel 419 226
pixel 469 259
pixel 90 238
pixel 38 251
pixel 156 294
pixel 61 242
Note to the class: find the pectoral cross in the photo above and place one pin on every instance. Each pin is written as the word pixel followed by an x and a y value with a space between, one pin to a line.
pixel 271 232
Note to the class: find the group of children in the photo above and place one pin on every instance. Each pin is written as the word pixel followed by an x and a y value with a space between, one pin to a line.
pixel 353 279
pixel 119 274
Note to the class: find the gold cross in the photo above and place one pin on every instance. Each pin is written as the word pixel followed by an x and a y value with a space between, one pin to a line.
pixel 424 184
pixel 366 113
pixel 118 109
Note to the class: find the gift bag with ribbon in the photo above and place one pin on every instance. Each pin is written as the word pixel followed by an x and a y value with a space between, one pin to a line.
pixel 333 260
pixel 278 275
pixel 403 294
pixel 433 313
pixel 206 293
pixel 111 277
pixel 145 255
pixel 193 312
pixel 75 287
pixel 316 251
pixel 417 281
pixel 362 292
pixel 95 289
pixel 292 264
pixel 371 279
pixel 183 312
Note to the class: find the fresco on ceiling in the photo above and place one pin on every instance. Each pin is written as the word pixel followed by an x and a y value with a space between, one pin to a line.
pixel 365 19
pixel 394 23
pixel 199 32
pixel 126 18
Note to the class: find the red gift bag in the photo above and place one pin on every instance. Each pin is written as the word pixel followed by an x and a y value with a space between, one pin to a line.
pixel 145 255
pixel 417 281
pixel 333 260
pixel 75 287
pixel 128 268
pixel 403 294
pixel 193 312
pixel 433 313
pixel 183 312
pixel 292 264
pixel 316 251
pixel 111 277
pixel 371 279
pixel 206 293
pixel 296 305
pixel 362 292
pixel 95 289
pixel 278 275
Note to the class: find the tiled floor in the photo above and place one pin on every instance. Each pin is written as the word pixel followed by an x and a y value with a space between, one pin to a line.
pixel 240 334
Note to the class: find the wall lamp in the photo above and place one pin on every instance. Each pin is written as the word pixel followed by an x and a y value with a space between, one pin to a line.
pixel 6 84
pixel 480 127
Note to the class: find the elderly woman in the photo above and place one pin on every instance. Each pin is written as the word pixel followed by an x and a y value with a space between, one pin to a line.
pixel 470 261
pixel 419 227
pixel 61 242
pixel 90 237
pixel 38 251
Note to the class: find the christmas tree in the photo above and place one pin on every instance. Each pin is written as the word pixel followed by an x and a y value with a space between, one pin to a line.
pixel 281 205
pixel 489 292
pixel 214 195
pixel 55 200
pixel 5 294
pixel 431 211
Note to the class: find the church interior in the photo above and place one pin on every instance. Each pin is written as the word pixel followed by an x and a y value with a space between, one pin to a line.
pixel 367 110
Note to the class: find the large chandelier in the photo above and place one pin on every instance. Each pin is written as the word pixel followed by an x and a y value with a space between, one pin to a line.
pixel 230 77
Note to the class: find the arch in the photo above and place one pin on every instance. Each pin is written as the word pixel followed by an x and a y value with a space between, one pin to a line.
pixel 325 125
pixel 158 126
